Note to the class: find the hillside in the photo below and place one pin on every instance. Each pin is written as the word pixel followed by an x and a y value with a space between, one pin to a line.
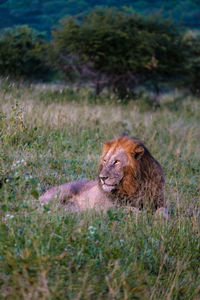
pixel 44 14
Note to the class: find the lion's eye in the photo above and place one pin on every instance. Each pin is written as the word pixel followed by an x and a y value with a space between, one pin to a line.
pixel 104 161
pixel 116 162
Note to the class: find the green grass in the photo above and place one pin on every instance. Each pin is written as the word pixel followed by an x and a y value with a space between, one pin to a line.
pixel 55 135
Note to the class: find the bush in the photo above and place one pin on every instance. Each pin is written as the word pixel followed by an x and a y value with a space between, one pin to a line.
pixel 117 49
pixel 21 53
pixel 192 62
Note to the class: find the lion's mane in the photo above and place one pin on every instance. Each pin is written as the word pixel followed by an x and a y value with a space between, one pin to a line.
pixel 143 181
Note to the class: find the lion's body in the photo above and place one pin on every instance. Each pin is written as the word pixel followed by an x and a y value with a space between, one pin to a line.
pixel 78 196
pixel 128 175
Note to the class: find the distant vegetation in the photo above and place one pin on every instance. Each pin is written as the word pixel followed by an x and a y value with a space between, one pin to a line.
pixel 118 50
pixel 114 49
pixel 43 14
pixel 19 49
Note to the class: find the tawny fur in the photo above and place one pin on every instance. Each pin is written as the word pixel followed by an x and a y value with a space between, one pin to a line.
pixel 128 175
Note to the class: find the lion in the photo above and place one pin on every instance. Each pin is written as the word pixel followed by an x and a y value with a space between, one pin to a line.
pixel 128 176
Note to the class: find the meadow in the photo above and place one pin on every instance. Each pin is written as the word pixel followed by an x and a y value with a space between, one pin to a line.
pixel 50 135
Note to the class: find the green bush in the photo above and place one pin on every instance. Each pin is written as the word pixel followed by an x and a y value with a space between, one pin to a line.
pixel 117 49
pixel 21 53
pixel 192 62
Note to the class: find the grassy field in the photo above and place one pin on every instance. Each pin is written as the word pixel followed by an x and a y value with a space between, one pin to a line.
pixel 50 135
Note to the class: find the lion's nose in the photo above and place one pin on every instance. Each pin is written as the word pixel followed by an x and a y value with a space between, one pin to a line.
pixel 103 178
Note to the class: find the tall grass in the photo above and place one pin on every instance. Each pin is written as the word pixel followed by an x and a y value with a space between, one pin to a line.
pixel 50 135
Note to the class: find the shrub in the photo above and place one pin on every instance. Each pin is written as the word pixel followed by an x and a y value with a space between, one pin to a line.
pixel 117 49
pixel 192 62
pixel 21 52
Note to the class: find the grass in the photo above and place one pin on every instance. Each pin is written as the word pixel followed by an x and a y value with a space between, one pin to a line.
pixel 54 135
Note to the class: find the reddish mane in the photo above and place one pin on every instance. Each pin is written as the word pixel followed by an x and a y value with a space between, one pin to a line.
pixel 143 178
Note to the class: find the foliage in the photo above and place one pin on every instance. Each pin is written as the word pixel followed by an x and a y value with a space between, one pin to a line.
pixel 21 53
pixel 43 14
pixel 118 49
pixel 192 64
pixel 114 49
pixel 47 253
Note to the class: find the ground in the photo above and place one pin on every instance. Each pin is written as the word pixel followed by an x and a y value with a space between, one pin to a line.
pixel 54 135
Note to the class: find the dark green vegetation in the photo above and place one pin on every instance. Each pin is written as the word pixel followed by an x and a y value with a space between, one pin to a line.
pixel 117 50
pixel 43 14
pixel 19 50
pixel 46 253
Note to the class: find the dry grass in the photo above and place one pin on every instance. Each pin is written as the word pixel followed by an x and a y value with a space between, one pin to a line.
pixel 55 135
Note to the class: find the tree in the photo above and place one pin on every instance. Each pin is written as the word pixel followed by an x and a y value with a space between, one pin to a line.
pixel 192 61
pixel 120 49
pixel 21 51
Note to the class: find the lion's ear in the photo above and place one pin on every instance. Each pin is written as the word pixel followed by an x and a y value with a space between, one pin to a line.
pixel 106 147
pixel 138 153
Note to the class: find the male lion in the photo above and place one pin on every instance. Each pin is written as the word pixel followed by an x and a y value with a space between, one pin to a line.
pixel 128 175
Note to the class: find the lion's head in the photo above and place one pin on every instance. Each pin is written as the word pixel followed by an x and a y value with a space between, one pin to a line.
pixel 127 169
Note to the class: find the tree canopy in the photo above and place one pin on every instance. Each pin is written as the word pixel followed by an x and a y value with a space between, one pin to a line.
pixel 109 48
pixel 21 51
pixel 119 49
